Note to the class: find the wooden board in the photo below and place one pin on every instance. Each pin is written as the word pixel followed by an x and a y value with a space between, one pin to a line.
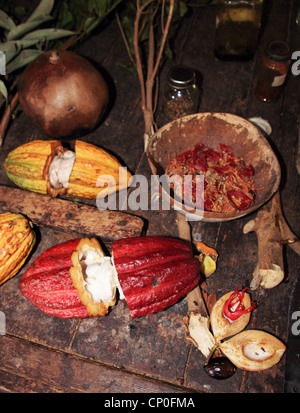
pixel 40 353
pixel 69 216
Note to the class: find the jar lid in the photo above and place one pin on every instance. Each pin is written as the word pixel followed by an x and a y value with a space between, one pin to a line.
pixel 181 76
pixel 278 51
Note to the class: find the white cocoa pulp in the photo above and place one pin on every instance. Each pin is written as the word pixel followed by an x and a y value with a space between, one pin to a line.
pixel 101 277
pixel 60 169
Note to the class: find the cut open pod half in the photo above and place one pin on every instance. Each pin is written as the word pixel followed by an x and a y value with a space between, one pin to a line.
pixel 253 350
pixel 94 277
pixel 221 326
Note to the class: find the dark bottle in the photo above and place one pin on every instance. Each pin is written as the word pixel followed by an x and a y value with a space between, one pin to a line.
pixel 273 71
pixel 181 93
pixel 237 28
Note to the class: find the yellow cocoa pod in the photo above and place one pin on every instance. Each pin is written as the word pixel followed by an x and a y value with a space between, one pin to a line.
pixel 39 165
pixel 27 166
pixel 17 238
pixel 95 173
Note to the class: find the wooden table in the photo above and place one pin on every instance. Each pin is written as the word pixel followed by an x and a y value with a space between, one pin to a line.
pixel 115 354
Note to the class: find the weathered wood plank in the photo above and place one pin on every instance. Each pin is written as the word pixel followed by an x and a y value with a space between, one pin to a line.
pixel 112 354
pixel 70 216
pixel 67 372
pixel 12 383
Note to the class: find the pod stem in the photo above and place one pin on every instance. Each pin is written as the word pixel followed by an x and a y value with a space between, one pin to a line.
pixel 54 57
pixel 7 116
pixel 210 354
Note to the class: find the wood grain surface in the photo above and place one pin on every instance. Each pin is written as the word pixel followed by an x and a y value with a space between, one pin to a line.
pixel 40 353
pixel 70 216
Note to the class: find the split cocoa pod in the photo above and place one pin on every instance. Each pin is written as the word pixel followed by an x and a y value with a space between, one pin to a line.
pixel 76 280
pixel 47 167
pixel 17 239
pixel 251 350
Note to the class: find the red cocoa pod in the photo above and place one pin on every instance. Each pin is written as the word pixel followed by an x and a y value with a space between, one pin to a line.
pixel 48 285
pixel 154 272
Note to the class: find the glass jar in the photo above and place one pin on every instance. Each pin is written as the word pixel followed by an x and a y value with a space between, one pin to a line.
pixel 274 67
pixel 181 93
pixel 237 28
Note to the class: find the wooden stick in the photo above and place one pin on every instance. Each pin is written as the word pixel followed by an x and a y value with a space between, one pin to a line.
pixel 7 116
pixel 272 232
pixel 197 320
pixel 153 63
pixel 194 297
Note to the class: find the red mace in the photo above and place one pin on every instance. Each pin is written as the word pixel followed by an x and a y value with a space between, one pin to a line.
pixel 234 308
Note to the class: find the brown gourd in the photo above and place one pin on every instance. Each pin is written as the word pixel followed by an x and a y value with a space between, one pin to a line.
pixel 63 94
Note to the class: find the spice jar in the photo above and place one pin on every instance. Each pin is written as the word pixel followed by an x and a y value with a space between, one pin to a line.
pixel 273 71
pixel 181 93
pixel 237 28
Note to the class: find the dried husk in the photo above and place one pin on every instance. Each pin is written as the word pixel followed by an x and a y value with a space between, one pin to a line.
pixel 198 333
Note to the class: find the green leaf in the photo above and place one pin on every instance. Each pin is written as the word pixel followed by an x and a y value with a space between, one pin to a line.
pixel 5 21
pixel 13 48
pixel 91 6
pixel 48 34
pixel 43 9
pixel 64 17
pixel 101 7
pixel 113 6
pixel 20 11
pixel 26 27
pixel 183 9
pixel 89 24
pixel 23 59
pixel 3 90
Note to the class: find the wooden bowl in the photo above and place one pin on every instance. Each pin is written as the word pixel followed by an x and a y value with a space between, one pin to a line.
pixel 211 129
